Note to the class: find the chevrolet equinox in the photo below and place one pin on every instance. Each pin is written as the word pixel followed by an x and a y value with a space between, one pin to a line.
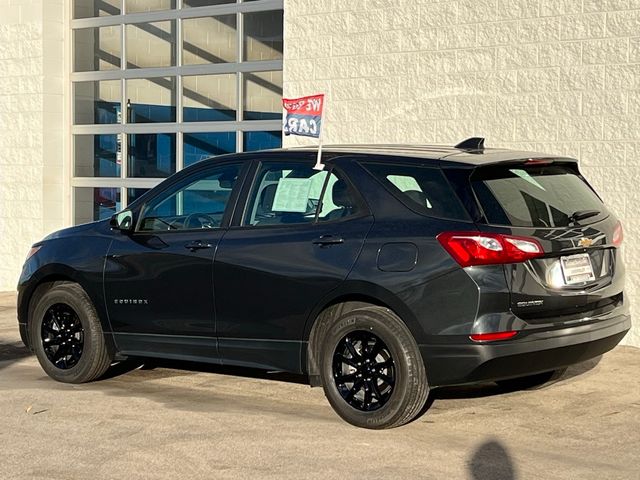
pixel 391 271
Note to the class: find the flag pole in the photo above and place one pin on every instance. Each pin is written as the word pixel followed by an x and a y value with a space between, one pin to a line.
pixel 319 165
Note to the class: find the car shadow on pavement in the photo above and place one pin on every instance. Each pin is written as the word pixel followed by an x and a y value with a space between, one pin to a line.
pixel 491 461
pixel 12 352
pixel 133 363
pixel 489 389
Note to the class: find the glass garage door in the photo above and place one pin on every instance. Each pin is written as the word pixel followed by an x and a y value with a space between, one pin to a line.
pixel 158 85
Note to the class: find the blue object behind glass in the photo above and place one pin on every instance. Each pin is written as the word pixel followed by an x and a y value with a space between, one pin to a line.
pixel 198 146
pixel 262 140
pixel 105 157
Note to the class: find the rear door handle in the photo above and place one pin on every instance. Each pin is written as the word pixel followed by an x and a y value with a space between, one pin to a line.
pixel 326 240
pixel 197 245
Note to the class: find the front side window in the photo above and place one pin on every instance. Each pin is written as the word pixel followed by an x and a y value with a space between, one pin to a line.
pixel 292 193
pixel 199 203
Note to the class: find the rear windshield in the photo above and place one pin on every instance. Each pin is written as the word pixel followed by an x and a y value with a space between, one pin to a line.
pixel 535 196
pixel 423 189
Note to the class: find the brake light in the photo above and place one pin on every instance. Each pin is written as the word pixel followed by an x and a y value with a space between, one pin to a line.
pixel 539 161
pixel 492 337
pixel 476 248
pixel 618 235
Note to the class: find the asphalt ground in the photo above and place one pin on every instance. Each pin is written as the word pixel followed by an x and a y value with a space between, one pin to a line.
pixel 171 420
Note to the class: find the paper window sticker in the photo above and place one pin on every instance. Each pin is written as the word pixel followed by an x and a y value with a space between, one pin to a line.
pixel 292 195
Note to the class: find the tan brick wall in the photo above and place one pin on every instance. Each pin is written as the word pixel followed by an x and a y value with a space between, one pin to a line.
pixel 558 76
pixel 31 128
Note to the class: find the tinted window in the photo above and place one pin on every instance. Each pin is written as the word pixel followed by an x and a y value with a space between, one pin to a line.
pixel 424 190
pixel 540 196
pixel 290 193
pixel 198 203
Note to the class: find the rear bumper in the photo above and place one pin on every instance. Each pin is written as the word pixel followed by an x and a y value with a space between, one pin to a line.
pixel 535 352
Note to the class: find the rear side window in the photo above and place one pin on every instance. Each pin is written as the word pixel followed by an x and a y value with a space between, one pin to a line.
pixel 537 196
pixel 423 189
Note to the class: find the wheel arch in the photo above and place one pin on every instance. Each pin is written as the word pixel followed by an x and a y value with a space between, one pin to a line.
pixel 43 281
pixel 350 296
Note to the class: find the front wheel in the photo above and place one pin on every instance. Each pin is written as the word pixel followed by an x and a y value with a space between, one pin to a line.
pixel 371 368
pixel 67 336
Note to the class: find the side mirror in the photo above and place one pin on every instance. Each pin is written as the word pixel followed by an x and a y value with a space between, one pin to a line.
pixel 122 221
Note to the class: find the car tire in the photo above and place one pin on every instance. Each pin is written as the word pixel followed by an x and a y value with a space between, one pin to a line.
pixel 67 336
pixel 371 369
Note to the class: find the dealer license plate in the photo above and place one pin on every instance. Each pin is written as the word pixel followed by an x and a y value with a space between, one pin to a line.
pixel 577 269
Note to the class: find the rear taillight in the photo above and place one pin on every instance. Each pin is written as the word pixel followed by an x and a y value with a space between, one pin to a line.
pixel 493 337
pixel 618 235
pixel 476 248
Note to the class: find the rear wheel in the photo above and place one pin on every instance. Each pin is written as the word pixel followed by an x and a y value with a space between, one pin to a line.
pixel 67 336
pixel 371 368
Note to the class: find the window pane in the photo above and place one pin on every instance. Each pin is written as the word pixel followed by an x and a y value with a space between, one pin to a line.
pixel 151 155
pixel 151 100
pixel 205 3
pixel 209 40
pixel 285 193
pixel 137 6
pixel 338 201
pixel 263 35
pixel 151 45
pixel 96 49
pixel 97 102
pixel 97 155
pixel 200 204
pixel 262 140
pixel 209 98
pixel 96 8
pixel 198 146
pixel 424 190
pixel 263 96
pixel 134 194
pixel 543 196
pixel 95 203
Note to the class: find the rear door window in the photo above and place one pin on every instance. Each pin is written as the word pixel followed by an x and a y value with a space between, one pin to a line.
pixel 292 193
pixel 423 189
pixel 535 196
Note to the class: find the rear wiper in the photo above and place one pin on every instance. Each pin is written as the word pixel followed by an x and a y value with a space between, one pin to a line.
pixel 582 215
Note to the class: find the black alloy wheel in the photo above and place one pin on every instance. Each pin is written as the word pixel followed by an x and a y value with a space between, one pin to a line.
pixel 371 368
pixel 62 336
pixel 364 371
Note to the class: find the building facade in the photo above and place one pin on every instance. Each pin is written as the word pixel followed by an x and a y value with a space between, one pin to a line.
pixel 101 99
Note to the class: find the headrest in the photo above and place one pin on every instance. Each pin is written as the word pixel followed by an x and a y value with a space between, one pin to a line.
pixel 340 194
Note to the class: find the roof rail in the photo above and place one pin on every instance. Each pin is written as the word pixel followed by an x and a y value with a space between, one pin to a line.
pixel 473 143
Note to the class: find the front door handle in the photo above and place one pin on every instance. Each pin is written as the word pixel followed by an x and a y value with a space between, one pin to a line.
pixel 197 245
pixel 326 240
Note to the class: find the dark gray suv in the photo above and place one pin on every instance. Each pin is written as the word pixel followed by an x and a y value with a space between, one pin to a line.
pixel 393 271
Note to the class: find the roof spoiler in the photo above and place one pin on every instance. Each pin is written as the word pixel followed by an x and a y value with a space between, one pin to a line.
pixel 473 143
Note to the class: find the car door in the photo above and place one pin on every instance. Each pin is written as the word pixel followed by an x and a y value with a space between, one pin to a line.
pixel 296 240
pixel 159 279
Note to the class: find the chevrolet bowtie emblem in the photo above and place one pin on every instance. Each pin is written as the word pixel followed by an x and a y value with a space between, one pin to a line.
pixel 585 242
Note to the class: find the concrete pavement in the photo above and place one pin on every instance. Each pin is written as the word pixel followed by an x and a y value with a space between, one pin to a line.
pixel 177 420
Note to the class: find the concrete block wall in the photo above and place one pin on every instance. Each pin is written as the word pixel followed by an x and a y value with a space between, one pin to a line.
pixel 558 76
pixel 31 128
